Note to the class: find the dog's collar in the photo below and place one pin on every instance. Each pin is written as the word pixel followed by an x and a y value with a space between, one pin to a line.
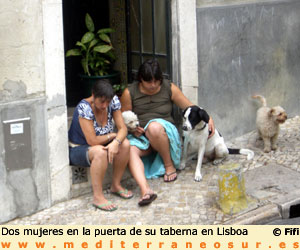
pixel 203 127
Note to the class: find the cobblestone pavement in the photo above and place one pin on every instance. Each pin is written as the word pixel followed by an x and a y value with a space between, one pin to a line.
pixel 181 202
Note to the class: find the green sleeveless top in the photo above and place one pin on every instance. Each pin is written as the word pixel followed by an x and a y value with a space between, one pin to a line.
pixel 149 107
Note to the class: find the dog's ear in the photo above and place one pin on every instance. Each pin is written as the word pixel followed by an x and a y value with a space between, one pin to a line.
pixel 183 112
pixel 203 115
pixel 271 112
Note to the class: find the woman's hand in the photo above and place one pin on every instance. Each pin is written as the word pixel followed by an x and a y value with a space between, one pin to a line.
pixel 111 136
pixel 211 127
pixel 112 149
pixel 138 132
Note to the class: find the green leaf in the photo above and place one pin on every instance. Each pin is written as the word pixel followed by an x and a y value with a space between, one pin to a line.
pixel 93 42
pixel 116 87
pixel 103 48
pixel 84 65
pixel 80 44
pixel 112 55
pixel 106 30
pixel 105 38
pixel 87 37
pixel 99 62
pixel 73 52
pixel 89 23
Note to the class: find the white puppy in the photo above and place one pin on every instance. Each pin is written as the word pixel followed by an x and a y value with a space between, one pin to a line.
pixel 196 140
pixel 131 120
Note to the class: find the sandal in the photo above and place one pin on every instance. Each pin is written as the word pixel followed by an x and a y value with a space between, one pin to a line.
pixel 102 207
pixel 168 175
pixel 144 201
pixel 123 194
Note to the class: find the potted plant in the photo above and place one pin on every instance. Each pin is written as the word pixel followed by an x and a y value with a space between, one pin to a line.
pixel 97 57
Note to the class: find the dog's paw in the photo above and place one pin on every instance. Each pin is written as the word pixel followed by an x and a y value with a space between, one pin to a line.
pixel 274 147
pixel 198 177
pixel 182 166
pixel 217 161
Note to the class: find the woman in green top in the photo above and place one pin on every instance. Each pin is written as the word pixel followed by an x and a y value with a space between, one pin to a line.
pixel 151 98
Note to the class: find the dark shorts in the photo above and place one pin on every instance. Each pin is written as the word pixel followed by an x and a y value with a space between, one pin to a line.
pixel 79 156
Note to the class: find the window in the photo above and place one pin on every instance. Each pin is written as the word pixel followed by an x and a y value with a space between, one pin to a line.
pixel 148 29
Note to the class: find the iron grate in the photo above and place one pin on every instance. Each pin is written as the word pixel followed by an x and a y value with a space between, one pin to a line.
pixel 79 175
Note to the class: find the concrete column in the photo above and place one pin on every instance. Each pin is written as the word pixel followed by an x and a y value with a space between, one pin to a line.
pixel 186 11
pixel 56 100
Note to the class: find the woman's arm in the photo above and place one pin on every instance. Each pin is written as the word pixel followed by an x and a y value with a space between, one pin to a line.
pixel 113 147
pixel 126 100
pixel 127 105
pixel 92 139
pixel 179 98
pixel 119 122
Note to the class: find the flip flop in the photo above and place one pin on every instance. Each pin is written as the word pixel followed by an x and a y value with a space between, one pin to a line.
pixel 145 202
pixel 102 207
pixel 168 180
pixel 123 194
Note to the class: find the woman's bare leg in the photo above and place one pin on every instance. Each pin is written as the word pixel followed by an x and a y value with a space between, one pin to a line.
pixel 159 141
pixel 119 165
pixel 137 169
pixel 98 158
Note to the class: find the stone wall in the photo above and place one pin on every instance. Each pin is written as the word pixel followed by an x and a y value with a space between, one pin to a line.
pixel 24 167
pixel 21 46
pixel 34 171
pixel 246 48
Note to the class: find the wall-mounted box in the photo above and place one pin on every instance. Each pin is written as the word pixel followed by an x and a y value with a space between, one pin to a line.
pixel 17 144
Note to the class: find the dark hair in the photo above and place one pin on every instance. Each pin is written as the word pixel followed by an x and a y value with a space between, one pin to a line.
pixel 149 70
pixel 103 88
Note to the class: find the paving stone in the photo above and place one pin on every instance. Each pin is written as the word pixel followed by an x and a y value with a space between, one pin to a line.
pixel 183 201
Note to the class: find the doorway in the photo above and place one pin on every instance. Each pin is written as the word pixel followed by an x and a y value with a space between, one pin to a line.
pixel 143 31
pixel 74 28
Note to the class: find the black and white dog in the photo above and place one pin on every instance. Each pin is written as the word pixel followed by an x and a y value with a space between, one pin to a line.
pixel 195 122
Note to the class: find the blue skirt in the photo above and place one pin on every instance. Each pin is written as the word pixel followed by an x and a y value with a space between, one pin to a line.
pixel 153 163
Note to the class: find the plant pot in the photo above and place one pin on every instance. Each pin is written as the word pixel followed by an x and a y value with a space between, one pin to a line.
pixel 89 81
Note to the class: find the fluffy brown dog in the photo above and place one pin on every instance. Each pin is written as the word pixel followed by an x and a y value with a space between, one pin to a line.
pixel 267 123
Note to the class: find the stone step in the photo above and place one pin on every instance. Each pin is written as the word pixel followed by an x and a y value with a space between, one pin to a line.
pixel 81 179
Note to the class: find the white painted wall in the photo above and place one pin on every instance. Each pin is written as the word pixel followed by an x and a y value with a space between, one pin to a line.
pixel 60 174
pixel 187 31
